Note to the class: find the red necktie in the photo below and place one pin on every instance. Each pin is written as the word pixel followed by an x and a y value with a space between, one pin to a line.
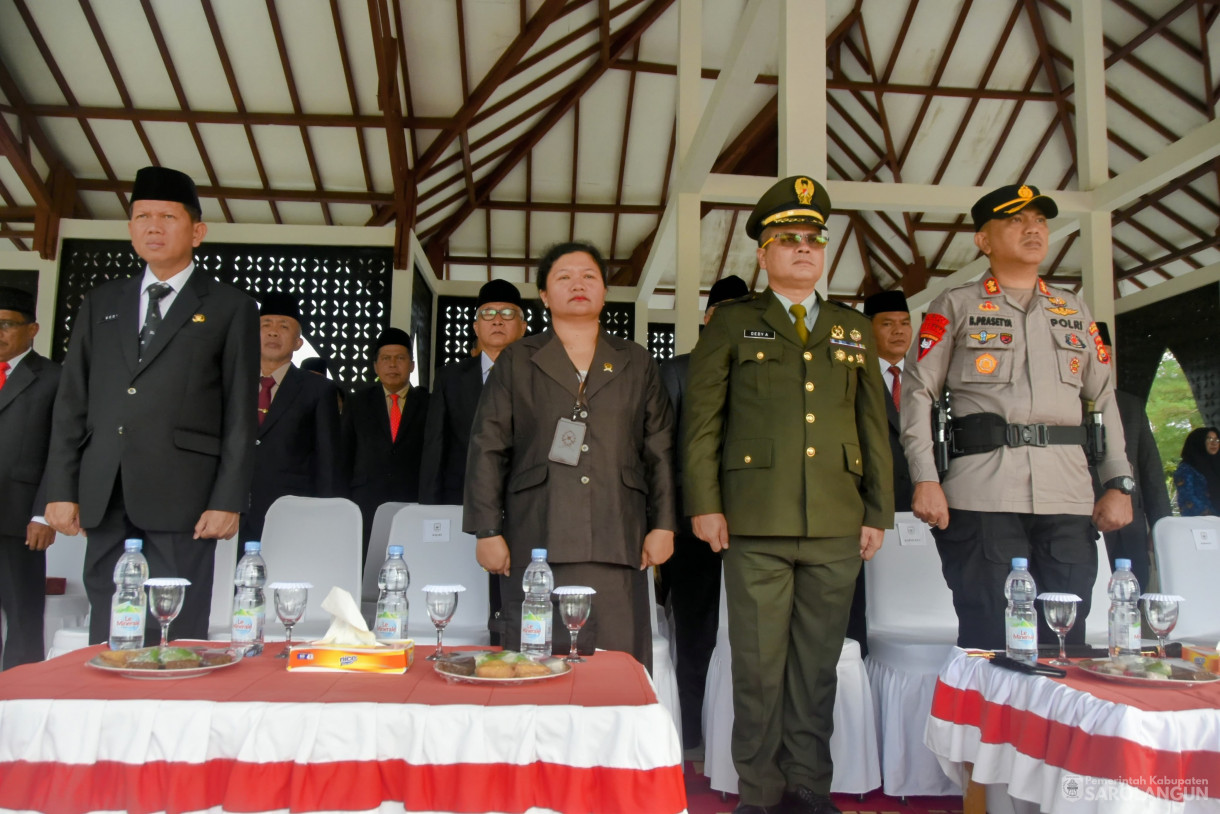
pixel 264 396
pixel 896 392
pixel 4 368
pixel 395 416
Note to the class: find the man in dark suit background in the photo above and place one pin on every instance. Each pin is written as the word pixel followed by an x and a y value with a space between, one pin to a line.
pixel 154 426
pixel 297 450
pixel 383 431
pixel 1150 499
pixel 499 321
pixel 692 574
pixel 27 391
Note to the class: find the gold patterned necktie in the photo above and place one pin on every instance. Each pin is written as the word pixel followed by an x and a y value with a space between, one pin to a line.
pixel 798 314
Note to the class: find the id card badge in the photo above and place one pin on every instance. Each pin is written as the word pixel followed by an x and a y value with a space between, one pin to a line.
pixel 565 447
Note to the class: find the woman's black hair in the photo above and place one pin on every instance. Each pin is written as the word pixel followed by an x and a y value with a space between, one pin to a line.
pixel 559 250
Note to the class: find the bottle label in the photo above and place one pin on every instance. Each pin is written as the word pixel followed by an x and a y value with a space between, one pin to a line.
pixel 388 626
pixel 1021 634
pixel 533 629
pixel 247 624
pixel 126 621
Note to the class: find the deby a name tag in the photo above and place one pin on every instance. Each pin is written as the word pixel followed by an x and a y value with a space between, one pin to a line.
pixel 565 447
pixel 757 334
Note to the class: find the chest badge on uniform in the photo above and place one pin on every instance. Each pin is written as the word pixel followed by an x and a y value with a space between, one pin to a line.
pixel 859 358
pixel 1006 339
pixel 199 318
pixel 986 364
pixel 1061 307
pixel 1075 341
pixel 855 335
pixel 836 332
pixel 988 305
pixel 1074 365
pixel 983 337
pixel 840 355
pixel 757 334
pixel 1103 355
pixel 607 367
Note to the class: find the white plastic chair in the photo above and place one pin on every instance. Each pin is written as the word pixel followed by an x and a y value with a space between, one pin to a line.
pixel 1188 561
pixel 67 639
pixel 853 745
pixel 316 540
pixel 664 676
pixel 379 541
pixel 66 558
pixel 437 551
pixel 1097 625
pixel 908 642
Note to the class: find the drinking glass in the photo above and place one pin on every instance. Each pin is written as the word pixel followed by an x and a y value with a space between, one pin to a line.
pixel 442 601
pixel 1060 613
pixel 165 595
pixel 1161 611
pixel 575 602
pixel 290 601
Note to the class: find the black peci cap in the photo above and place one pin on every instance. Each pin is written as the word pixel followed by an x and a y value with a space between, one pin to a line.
pixel 393 336
pixel 797 199
pixel 15 299
pixel 499 291
pixel 1010 200
pixel 886 301
pixel 727 288
pixel 164 184
pixel 281 304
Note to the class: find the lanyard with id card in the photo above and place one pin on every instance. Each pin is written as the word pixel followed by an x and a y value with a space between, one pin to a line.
pixel 570 432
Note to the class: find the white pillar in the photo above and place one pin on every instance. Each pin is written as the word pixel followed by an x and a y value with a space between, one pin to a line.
pixel 802 90
pixel 687 252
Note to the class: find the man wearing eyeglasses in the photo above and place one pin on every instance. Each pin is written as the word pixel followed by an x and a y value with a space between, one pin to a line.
pixel 788 472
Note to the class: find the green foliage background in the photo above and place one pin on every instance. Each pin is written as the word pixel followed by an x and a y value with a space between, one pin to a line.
pixel 1172 412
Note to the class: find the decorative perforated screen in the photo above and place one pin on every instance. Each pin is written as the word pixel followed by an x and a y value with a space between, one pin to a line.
pixel 344 290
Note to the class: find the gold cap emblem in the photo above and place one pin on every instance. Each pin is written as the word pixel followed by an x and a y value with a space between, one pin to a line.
pixel 804 190
pixel 1025 192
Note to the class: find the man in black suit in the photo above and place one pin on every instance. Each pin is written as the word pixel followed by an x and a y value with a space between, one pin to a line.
pixel 892 332
pixel 297 451
pixel 1150 498
pixel 27 392
pixel 154 424
pixel 692 575
pixel 383 431
pixel 499 322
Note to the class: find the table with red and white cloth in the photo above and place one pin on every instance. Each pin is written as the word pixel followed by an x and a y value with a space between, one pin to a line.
pixel 1078 745
pixel 254 737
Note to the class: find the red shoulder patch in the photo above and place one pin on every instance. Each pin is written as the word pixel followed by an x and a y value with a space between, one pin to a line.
pixel 930 332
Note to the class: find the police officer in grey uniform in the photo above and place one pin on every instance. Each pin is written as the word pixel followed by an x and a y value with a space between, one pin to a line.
pixel 1020 361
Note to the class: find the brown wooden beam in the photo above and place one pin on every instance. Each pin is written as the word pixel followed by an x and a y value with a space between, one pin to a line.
pixel 514 262
pixel 9 214
pixel 251 118
pixel 252 194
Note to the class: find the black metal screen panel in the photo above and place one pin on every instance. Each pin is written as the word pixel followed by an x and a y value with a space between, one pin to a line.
pixel 455 337
pixel 344 290
pixel 662 341
pixel 421 324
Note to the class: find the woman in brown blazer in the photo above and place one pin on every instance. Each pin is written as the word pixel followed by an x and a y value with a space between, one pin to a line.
pixel 571 451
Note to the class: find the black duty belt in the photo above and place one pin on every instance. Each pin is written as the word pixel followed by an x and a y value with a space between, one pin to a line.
pixel 984 432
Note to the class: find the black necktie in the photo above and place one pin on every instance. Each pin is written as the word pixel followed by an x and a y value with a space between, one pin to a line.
pixel 152 319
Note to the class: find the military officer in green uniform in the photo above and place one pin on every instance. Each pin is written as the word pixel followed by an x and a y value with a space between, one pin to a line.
pixel 788 472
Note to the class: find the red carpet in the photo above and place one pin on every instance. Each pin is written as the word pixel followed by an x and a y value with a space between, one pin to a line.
pixel 700 799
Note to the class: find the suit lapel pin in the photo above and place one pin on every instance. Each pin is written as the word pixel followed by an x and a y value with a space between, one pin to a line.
pixel 607 367
pixel 199 318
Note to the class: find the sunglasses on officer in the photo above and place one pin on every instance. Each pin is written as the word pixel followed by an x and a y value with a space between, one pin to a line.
pixel 793 239
pixel 506 314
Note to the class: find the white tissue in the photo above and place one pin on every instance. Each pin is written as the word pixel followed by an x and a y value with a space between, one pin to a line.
pixel 347 627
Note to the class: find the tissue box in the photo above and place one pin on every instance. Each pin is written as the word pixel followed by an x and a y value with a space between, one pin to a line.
pixel 1206 657
pixel 318 658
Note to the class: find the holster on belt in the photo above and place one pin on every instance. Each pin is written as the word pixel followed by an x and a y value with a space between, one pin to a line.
pixel 984 432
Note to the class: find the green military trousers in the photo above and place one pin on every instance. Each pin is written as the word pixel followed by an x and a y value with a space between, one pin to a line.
pixel 788 602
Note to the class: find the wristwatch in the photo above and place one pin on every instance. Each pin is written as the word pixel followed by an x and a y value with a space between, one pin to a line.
pixel 1123 483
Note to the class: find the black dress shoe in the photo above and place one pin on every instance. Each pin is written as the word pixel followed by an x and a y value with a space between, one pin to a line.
pixel 746 808
pixel 803 800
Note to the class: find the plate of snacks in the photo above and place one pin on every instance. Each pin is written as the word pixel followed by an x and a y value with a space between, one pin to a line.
pixel 500 668
pixel 1149 672
pixel 164 663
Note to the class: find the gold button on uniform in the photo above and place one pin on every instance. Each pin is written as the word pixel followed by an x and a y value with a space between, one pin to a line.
pixel 809 418
pixel 131 391
pixel 584 478
pixel 808 356
pixel 811 452
pixel 584 447
pixel 809 387
pixel 760 355
pixel 748 459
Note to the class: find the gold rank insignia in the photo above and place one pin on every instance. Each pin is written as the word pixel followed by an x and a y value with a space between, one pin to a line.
pixel 199 318
pixel 859 358
pixel 991 285
pixel 988 305
pixel 1074 365
pixel 840 355
pixel 855 335
pixel 607 367
pixel 804 190
pixel 1061 308
pixel 836 332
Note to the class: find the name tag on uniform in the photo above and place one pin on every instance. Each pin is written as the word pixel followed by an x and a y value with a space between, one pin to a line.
pixel 758 334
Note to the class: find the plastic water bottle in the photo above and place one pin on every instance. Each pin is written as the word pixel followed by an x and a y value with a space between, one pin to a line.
pixel 392 604
pixel 1020 618
pixel 249 600
pixel 1124 638
pixel 536 609
pixel 129 605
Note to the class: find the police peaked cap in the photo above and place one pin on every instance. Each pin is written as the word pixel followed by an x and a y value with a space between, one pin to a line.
pixel 798 199
pixel 164 184
pixel 498 291
pixel 14 299
pixel 1010 200
pixel 886 301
